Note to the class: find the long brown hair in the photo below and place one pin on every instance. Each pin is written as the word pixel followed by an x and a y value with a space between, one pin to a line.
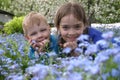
pixel 71 8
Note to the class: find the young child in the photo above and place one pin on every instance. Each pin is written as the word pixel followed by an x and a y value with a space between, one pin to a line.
pixel 37 32
pixel 71 22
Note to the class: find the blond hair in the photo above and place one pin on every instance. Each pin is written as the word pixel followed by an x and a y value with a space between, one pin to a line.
pixel 31 19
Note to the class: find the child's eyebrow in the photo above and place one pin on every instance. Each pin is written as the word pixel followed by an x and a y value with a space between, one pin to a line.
pixel 79 23
pixel 71 25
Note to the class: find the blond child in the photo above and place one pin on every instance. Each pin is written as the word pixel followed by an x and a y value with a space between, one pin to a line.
pixel 37 32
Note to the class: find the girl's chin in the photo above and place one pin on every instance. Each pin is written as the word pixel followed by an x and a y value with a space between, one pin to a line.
pixel 70 40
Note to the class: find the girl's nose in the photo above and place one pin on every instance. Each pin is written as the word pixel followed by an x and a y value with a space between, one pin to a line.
pixel 71 31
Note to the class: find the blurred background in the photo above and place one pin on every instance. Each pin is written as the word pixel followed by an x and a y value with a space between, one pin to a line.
pixel 98 11
pixel 12 12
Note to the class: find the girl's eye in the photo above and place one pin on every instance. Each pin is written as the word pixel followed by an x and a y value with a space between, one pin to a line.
pixel 42 30
pixel 65 27
pixel 77 27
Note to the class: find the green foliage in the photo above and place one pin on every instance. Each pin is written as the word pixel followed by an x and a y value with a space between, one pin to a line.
pixel 4 4
pixel 108 11
pixel 14 54
pixel 14 26
pixel 98 11
pixel 1 23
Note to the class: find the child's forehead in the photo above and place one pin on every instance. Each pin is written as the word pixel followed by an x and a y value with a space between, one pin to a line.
pixel 42 24
pixel 69 18
pixel 37 22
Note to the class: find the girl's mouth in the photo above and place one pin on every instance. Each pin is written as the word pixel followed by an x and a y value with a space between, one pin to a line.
pixel 71 39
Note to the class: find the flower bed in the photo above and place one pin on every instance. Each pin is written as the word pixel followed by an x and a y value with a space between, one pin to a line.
pixel 15 64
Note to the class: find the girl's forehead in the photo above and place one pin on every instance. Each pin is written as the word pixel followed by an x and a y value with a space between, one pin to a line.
pixel 71 19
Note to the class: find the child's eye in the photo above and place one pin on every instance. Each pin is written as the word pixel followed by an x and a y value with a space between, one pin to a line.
pixel 42 30
pixel 34 33
pixel 65 27
pixel 77 27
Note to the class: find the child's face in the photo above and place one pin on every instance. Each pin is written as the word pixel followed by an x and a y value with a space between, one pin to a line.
pixel 70 28
pixel 38 32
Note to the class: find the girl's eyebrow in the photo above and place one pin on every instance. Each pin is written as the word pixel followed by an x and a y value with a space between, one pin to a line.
pixel 78 23
pixel 64 25
pixel 71 25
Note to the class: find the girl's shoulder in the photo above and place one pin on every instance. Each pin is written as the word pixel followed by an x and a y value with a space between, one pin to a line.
pixel 93 31
pixel 94 34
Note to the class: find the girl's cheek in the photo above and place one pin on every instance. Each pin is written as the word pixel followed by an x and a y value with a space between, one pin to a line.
pixel 64 33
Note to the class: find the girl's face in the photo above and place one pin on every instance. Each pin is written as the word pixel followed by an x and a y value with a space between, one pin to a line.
pixel 70 28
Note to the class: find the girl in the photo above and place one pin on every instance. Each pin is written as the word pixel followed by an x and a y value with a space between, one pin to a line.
pixel 71 22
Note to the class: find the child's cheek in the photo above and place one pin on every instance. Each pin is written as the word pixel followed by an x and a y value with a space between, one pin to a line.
pixel 33 41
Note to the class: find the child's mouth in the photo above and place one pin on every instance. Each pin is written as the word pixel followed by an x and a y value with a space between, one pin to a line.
pixel 39 40
pixel 71 38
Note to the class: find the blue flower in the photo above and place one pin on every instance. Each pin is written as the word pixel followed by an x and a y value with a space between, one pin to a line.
pixel 102 44
pixel 91 49
pixel 1 51
pixel 67 50
pixel 116 59
pixel 105 76
pixel 83 38
pixel 115 73
pixel 101 58
pixel 78 50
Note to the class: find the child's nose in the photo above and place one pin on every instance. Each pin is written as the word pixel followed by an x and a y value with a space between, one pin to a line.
pixel 71 31
pixel 39 35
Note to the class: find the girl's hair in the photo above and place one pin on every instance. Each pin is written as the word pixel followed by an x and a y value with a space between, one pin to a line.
pixel 71 8
pixel 31 19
